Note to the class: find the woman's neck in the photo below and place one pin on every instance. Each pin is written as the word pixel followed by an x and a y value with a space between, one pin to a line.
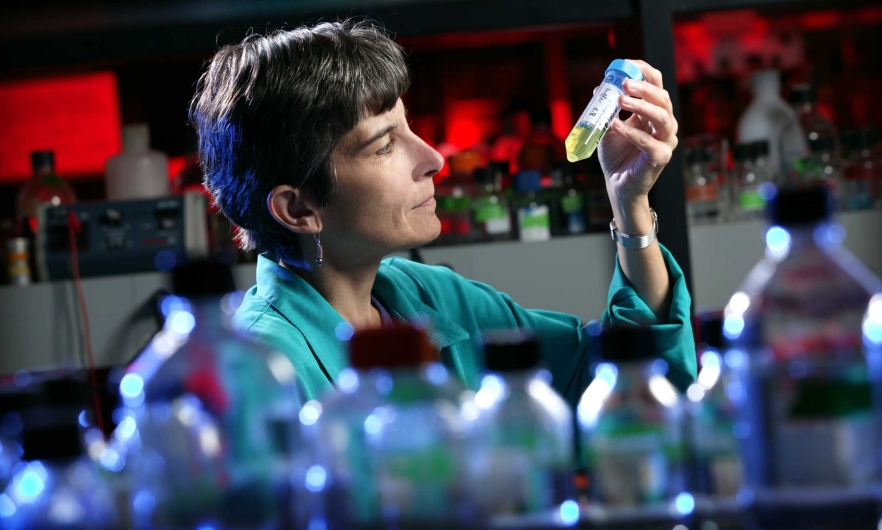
pixel 347 289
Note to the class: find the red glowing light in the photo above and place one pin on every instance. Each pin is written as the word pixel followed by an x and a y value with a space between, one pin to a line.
pixel 77 117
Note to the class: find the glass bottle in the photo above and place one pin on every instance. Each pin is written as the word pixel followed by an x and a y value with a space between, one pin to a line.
pixel 569 215
pixel 215 415
pixel 863 171
pixel 702 189
pixel 631 421
pixel 752 178
pixel 532 209
pixel 527 428
pixel 804 351
pixel 812 123
pixel 823 167
pixel 392 449
pixel 45 187
pixel 490 208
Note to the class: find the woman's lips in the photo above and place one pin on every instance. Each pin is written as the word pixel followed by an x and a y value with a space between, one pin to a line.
pixel 428 203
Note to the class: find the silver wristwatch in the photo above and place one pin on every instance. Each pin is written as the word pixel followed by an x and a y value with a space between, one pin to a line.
pixel 635 242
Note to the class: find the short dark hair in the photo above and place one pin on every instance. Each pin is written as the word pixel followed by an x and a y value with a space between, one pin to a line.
pixel 272 109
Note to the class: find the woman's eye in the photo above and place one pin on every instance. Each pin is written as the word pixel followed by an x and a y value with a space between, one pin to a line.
pixel 387 148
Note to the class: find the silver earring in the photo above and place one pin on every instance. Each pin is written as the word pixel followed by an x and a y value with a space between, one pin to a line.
pixel 318 251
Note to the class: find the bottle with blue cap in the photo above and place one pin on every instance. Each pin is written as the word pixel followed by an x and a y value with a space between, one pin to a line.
pixel 533 212
pixel 600 112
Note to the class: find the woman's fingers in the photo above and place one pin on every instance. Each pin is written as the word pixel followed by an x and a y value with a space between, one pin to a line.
pixel 656 152
pixel 661 119
pixel 650 74
pixel 649 92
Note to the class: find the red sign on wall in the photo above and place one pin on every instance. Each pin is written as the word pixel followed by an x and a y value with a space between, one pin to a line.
pixel 78 117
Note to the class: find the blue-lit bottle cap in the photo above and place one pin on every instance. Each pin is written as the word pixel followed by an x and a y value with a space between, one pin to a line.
pixel 624 67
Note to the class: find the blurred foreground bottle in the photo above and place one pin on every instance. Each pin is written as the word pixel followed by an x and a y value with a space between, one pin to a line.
pixel 631 418
pixel 804 333
pixel 716 471
pixel 45 187
pixel 527 429
pixel 391 447
pixel 215 417
pixel 56 486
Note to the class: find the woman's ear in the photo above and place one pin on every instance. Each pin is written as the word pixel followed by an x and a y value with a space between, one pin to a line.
pixel 294 210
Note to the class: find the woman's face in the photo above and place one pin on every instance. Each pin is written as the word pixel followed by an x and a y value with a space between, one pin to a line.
pixel 384 197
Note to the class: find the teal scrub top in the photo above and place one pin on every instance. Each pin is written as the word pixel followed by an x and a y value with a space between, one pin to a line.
pixel 287 314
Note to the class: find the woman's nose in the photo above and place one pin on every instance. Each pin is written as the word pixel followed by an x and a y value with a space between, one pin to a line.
pixel 434 160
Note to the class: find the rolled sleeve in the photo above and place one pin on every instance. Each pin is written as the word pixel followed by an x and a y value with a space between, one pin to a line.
pixel 674 337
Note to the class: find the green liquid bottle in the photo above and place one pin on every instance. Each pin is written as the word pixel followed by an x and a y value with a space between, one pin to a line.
pixel 601 110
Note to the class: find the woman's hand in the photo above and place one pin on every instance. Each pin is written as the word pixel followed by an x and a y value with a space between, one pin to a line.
pixel 634 151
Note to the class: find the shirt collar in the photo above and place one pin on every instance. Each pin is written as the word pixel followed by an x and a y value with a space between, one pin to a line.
pixel 322 327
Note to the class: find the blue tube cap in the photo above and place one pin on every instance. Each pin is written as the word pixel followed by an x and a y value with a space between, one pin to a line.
pixel 627 69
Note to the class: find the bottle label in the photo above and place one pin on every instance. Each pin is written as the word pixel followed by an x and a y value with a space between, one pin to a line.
pixel 572 203
pixel 534 223
pixel 751 200
pixel 604 106
pixel 708 192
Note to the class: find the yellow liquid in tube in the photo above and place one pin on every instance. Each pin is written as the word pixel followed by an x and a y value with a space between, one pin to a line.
pixel 582 141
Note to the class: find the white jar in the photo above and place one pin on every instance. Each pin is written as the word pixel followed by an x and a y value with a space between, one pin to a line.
pixel 138 172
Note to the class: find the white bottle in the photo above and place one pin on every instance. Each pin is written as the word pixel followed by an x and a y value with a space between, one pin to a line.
pixel 138 172
pixel 768 116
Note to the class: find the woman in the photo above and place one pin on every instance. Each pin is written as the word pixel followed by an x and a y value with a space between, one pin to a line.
pixel 305 145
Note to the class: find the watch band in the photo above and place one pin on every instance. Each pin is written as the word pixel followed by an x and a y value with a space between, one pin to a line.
pixel 635 242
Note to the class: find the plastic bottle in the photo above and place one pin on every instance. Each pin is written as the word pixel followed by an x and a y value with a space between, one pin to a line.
pixel 392 448
pixel 490 209
pixel 45 187
pixel 603 108
pixel 804 350
pixel 631 421
pixel 811 123
pixel 215 442
pixel 863 171
pixel 702 189
pixel 528 430
pixel 770 118
pixel 138 172
pixel 716 469
pixel 532 209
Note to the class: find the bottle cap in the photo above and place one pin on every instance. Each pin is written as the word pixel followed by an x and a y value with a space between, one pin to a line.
pixel 528 180
pixel 136 137
pixel 742 152
pixel 202 278
pixel 759 148
pixel 625 68
pixel 483 175
pixel 711 331
pixel 793 207
pixel 802 94
pixel 42 159
pixel 398 346
pixel 822 144
pixel 628 344
pixel 701 155
pixel 511 350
